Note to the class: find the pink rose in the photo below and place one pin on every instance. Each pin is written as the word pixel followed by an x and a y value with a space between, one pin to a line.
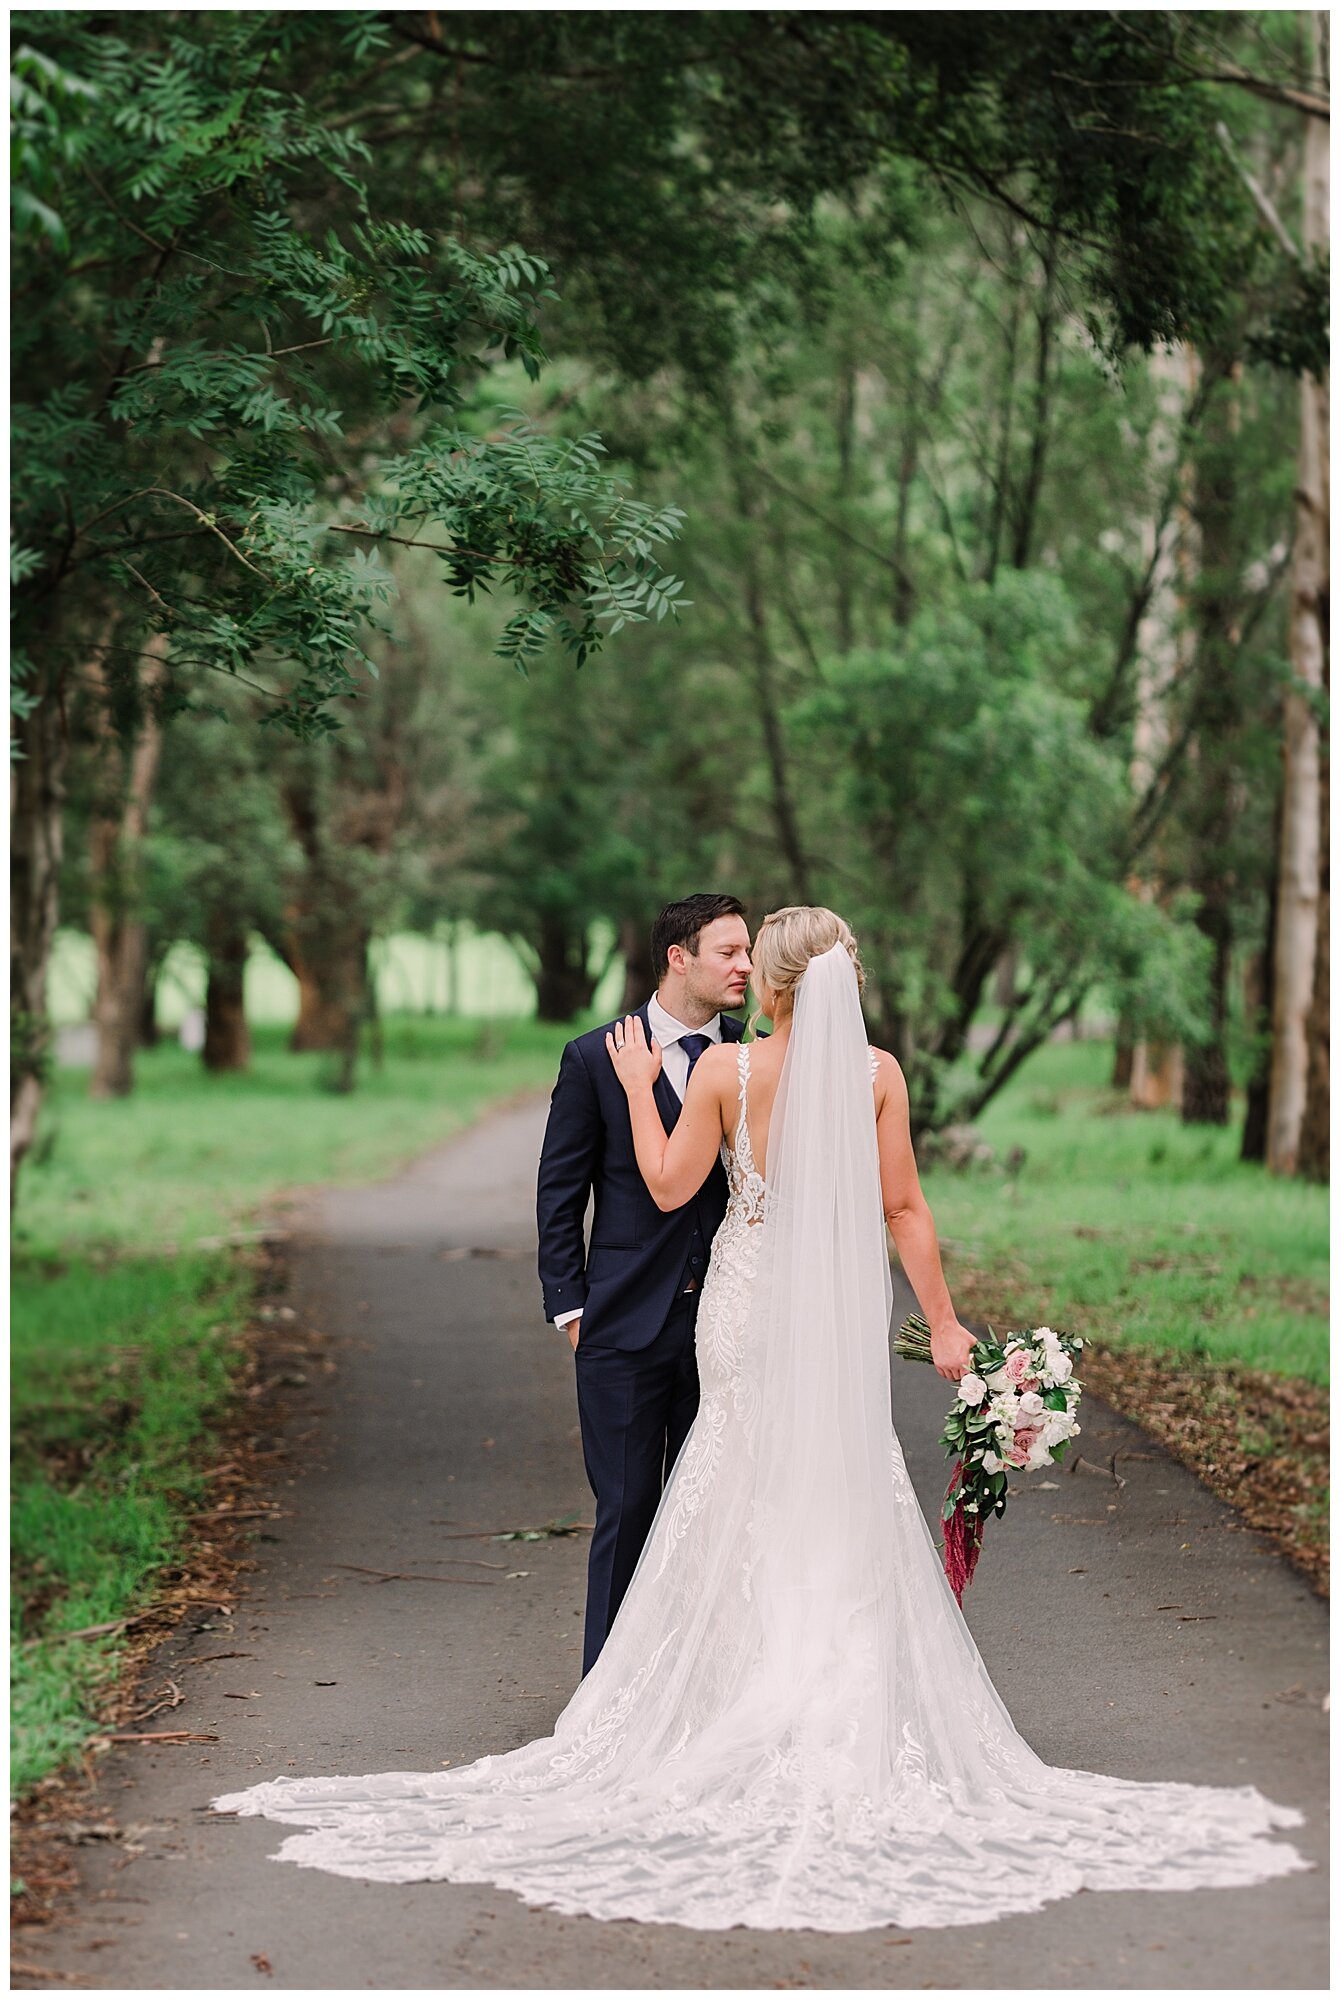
pixel 1031 1383
pixel 1018 1451
pixel 1016 1368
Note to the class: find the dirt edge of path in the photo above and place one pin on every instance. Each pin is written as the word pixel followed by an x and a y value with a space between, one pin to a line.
pixel 260 1434
pixel 1258 1440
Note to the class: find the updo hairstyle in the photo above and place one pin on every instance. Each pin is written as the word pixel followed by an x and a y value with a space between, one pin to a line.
pixel 788 939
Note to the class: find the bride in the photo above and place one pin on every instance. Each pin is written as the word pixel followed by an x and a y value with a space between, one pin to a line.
pixel 790 1725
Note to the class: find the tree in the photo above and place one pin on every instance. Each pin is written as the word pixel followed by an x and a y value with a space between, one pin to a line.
pixel 987 816
pixel 231 378
pixel 1302 968
pixel 216 860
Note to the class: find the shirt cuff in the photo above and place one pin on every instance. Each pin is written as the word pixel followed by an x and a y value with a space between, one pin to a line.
pixel 565 1319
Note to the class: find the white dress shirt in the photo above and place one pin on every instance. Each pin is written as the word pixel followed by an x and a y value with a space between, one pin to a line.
pixel 666 1031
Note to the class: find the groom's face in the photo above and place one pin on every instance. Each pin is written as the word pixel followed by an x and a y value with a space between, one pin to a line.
pixel 717 974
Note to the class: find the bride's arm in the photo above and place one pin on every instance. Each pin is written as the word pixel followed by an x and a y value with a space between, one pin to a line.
pixel 674 1165
pixel 911 1223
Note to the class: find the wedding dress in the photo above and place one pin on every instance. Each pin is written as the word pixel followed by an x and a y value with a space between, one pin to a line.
pixel 790 1725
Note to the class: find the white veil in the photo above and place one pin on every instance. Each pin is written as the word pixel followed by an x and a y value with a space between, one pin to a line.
pixel 819 1344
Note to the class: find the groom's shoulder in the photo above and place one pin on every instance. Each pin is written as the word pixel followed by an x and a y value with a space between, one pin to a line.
pixel 590 1045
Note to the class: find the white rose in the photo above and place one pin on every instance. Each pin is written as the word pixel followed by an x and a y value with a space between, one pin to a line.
pixel 971 1388
pixel 1039 1454
pixel 993 1461
pixel 1062 1367
pixel 1057 1426
pixel 1030 1403
pixel 998 1379
pixel 1046 1333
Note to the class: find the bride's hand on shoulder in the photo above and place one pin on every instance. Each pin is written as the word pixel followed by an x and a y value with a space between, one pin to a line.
pixel 636 1060
pixel 951 1350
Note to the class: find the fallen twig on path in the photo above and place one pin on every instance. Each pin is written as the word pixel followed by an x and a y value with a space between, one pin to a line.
pixel 239 1514
pixel 159 1736
pixel 472 1562
pixel 171 1696
pixel 568 1525
pixel 404 1576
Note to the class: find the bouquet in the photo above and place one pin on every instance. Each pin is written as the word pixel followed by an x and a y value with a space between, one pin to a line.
pixel 1015 1408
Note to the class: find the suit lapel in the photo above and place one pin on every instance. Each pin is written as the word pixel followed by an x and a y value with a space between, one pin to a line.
pixel 666 1101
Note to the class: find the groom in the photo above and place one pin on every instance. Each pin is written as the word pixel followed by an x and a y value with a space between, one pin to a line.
pixel 630 1302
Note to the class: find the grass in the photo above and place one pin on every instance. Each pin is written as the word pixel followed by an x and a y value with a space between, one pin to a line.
pixel 126 1333
pixel 1135 1228
pixel 189 1154
pixel 117 1371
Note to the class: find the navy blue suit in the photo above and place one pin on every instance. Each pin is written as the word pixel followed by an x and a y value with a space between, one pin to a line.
pixel 638 1287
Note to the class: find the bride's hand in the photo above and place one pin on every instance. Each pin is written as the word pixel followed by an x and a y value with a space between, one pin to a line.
pixel 635 1059
pixel 951 1351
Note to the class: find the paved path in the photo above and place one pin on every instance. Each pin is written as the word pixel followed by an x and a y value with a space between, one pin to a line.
pixel 1136 1629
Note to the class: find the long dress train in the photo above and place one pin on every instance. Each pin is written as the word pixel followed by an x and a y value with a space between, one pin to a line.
pixel 790 1725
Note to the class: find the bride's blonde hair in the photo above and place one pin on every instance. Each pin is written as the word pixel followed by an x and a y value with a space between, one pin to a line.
pixel 788 939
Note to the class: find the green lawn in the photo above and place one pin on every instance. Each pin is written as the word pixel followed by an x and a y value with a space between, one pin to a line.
pixel 1130 1225
pixel 189 1154
pixel 123 1329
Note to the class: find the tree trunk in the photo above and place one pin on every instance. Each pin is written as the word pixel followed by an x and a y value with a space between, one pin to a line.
pixel 1005 987
pixel 904 595
pixel 563 983
pixel 1213 808
pixel 1156 1076
pixel 1000 483
pixel 36 821
pixel 1300 844
pixel 227 1044
pixel 764 676
pixel 1123 1055
pixel 639 979
pixel 1026 514
pixel 1205 1084
pixel 325 942
pixel 1314 1139
pixel 1156 1070
pixel 150 1034
pixel 124 786
pixel 330 965
pixel 841 550
pixel 1258 986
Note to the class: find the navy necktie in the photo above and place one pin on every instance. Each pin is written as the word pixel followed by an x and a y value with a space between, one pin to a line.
pixel 693 1046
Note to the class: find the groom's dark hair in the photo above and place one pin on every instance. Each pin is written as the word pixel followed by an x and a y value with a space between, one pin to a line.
pixel 681 923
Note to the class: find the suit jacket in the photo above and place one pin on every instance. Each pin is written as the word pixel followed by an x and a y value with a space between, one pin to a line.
pixel 626 1281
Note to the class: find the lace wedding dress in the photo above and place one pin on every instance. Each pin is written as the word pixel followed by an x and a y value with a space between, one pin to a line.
pixel 790 1725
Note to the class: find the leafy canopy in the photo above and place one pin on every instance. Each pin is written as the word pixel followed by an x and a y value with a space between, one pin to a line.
pixel 236 379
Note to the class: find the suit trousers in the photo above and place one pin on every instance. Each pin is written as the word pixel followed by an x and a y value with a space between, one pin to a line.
pixel 636 1410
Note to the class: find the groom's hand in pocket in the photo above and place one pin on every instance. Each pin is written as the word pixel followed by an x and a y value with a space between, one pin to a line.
pixel 572 1330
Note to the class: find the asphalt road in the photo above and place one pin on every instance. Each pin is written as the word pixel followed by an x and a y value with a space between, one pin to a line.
pixel 1132 1627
